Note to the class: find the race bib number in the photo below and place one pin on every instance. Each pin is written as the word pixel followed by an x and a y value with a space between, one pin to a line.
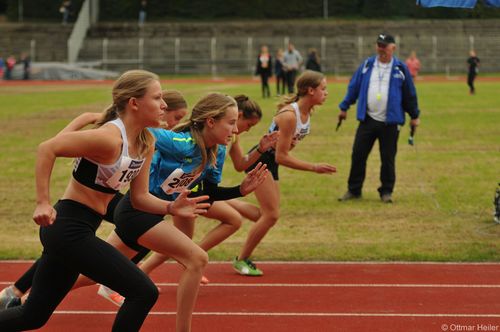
pixel 177 181
pixel 128 170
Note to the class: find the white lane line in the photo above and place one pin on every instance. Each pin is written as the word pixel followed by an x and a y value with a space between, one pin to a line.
pixel 215 284
pixel 285 314
pixel 322 263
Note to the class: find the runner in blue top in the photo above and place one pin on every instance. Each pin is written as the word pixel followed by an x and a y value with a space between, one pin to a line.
pixel 230 213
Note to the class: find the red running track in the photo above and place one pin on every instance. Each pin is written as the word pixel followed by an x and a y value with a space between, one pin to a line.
pixel 308 297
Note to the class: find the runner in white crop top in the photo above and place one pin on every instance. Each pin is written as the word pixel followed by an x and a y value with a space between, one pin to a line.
pixel 108 178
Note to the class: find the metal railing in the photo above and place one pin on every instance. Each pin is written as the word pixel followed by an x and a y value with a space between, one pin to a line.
pixel 339 55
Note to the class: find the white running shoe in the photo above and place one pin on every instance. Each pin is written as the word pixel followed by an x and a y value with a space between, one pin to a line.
pixel 6 295
pixel 111 295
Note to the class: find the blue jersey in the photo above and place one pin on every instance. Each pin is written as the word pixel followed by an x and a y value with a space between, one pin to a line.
pixel 175 161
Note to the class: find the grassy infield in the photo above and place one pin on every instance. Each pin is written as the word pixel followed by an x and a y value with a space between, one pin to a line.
pixel 443 198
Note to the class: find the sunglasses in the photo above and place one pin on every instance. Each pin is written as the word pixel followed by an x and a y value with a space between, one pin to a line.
pixel 381 45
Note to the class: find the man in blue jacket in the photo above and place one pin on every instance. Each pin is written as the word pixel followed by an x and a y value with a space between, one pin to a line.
pixel 384 91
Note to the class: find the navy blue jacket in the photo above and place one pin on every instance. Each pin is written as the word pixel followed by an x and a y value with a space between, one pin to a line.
pixel 402 94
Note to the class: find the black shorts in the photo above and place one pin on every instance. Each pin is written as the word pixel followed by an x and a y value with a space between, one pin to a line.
pixel 131 223
pixel 267 158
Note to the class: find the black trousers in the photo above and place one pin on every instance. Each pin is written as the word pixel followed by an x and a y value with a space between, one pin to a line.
pixel 71 248
pixel 368 131
pixel 291 75
pixel 264 79
pixel 280 80
pixel 470 81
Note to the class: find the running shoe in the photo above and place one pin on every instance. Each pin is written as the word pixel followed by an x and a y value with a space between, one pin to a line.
pixel 246 267
pixel 14 302
pixel 111 295
pixel 6 295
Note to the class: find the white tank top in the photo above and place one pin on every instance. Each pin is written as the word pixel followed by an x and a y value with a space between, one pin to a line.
pixel 108 178
pixel 301 129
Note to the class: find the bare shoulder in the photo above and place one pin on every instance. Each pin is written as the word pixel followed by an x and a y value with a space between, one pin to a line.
pixel 106 140
pixel 285 115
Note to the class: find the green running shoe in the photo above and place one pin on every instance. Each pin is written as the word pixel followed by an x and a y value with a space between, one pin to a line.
pixel 246 267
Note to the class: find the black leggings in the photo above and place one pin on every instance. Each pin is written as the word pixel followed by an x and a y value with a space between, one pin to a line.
pixel 264 79
pixel 24 283
pixel 470 81
pixel 71 248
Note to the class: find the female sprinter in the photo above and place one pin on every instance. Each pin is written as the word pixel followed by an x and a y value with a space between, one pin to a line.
pixel 115 154
pixel 230 212
pixel 183 156
pixel 175 111
pixel 293 123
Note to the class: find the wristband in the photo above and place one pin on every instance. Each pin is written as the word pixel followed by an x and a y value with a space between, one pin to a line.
pixel 261 152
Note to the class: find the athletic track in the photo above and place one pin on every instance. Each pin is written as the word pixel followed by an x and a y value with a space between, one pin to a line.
pixel 303 297
pixel 313 296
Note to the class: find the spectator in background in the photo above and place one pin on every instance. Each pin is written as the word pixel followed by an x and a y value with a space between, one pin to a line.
pixel 142 12
pixel 384 91
pixel 313 61
pixel 2 66
pixel 279 71
pixel 26 61
pixel 9 65
pixel 473 64
pixel 65 10
pixel 292 61
pixel 413 65
pixel 264 69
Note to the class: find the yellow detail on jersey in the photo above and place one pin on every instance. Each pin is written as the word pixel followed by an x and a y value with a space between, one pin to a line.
pixel 195 188
pixel 183 139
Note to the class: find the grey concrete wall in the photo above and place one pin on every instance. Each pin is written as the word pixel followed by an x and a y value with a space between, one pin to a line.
pixel 231 47
pixel 219 48
pixel 44 42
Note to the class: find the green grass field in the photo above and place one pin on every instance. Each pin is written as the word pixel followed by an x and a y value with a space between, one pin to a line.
pixel 443 196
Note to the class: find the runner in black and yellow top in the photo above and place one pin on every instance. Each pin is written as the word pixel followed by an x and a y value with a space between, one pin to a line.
pixel 293 123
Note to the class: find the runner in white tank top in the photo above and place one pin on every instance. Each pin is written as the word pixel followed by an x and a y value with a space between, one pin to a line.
pixel 293 123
